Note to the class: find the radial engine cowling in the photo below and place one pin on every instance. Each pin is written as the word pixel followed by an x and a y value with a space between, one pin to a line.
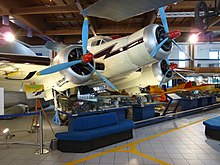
pixel 153 35
pixel 154 73
pixel 79 73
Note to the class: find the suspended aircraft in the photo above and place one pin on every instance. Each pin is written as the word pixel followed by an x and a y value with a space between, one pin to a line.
pixel 137 60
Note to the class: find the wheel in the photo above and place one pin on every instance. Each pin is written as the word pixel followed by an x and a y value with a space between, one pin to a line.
pixel 201 16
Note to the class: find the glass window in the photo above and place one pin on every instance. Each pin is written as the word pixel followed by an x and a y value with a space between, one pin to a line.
pixel 170 83
pixel 214 54
pixel 182 56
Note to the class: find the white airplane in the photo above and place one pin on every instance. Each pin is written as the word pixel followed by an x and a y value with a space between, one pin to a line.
pixel 136 60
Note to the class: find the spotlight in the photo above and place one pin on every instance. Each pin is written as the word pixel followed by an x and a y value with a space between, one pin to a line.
pixel 7 133
pixel 8 36
pixel 193 38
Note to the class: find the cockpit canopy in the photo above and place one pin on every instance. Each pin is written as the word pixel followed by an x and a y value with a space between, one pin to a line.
pixel 98 40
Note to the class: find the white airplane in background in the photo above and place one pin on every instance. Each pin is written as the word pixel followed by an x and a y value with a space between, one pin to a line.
pixel 140 59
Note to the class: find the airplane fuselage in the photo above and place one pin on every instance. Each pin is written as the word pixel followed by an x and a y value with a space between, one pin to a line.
pixel 120 57
pixel 127 54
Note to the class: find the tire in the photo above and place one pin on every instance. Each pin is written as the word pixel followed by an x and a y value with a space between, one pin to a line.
pixel 202 20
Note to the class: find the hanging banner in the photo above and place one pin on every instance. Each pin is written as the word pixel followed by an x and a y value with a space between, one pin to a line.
pixel 34 91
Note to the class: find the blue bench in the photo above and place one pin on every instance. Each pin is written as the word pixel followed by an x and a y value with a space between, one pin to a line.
pixel 212 128
pixel 94 131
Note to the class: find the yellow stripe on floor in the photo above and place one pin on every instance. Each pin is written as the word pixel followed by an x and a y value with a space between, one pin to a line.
pixel 132 147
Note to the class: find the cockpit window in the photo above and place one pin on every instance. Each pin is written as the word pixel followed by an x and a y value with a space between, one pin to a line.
pixel 99 42
pixel 96 43
pixel 107 39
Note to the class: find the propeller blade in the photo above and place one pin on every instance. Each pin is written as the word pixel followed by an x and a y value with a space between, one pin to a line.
pixel 180 75
pixel 103 78
pixel 163 78
pixel 182 50
pixel 164 19
pixel 57 68
pixel 156 49
pixel 85 34
pixel 184 70
pixel 167 60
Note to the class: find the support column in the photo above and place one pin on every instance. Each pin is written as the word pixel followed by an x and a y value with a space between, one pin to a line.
pixel 192 54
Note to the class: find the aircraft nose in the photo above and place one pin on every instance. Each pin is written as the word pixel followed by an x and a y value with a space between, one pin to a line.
pixel 174 34
pixel 86 58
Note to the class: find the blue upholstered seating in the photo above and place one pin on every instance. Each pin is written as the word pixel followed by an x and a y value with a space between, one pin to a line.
pixel 213 123
pixel 90 127
pixel 212 128
pixel 90 130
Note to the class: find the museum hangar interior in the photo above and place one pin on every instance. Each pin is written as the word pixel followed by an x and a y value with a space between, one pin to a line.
pixel 99 82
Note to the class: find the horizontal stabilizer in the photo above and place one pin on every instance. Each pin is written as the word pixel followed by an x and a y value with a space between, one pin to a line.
pixel 118 10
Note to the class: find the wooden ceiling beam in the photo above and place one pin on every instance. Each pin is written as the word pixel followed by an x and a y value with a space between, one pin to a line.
pixel 4 9
pixel 118 30
pixel 44 10
pixel 54 20
pixel 189 5
pixel 34 22
pixel 78 31
pixel 192 29
pixel 205 69
pixel 64 32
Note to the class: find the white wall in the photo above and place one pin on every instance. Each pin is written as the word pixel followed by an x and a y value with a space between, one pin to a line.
pixel 201 51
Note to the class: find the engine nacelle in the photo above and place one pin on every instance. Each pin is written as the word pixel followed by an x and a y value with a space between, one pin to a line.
pixel 144 41
pixel 79 73
pixel 153 74
pixel 153 35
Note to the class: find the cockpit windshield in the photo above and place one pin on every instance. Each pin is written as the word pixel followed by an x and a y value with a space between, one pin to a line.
pixel 100 41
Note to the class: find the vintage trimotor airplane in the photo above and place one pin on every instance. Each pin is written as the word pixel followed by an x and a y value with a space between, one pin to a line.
pixel 140 59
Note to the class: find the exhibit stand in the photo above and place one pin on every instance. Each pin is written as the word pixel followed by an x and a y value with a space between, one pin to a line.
pixel 172 97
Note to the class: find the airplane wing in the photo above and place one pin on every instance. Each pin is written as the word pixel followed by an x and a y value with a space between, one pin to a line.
pixel 20 67
pixel 14 73
pixel 18 62
pixel 118 10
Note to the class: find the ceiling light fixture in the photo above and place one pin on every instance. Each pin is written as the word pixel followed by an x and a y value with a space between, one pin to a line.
pixel 193 38
pixel 8 36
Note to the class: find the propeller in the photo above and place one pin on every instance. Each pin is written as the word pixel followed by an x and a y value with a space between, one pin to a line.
pixel 86 58
pixel 172 68
pixel 170 35
pixel 58 67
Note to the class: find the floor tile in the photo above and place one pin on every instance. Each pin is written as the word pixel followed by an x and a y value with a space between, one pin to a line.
pixel 186 146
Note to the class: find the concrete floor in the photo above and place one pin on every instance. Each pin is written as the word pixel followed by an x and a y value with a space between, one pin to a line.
pixel 180 141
